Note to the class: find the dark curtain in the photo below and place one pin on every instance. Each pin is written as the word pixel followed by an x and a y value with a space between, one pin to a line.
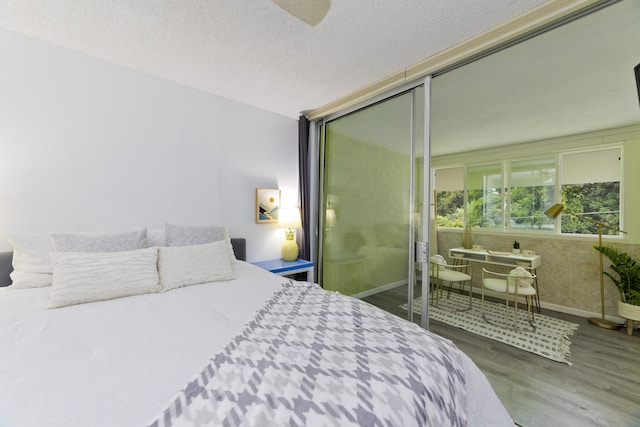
pixel 636 69
pixel 303 184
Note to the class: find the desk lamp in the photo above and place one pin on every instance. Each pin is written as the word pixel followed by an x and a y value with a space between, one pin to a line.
pixel 554 211
pixel 290 219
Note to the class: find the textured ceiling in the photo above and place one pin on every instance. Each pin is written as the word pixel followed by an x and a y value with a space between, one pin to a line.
pixel 252 51
pixel 575 79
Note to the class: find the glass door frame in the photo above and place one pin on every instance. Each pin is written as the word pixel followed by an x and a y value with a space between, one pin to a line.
pixel 317 187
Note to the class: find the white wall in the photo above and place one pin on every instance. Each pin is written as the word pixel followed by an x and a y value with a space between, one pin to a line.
pixel 89 146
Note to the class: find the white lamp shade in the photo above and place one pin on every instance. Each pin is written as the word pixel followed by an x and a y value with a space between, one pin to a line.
pixel 289 218
pixel 330 218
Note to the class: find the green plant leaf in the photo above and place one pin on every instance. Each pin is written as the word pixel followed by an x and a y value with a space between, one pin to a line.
pixel 626 273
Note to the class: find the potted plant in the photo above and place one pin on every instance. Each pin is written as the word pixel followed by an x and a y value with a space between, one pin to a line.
pixel 626 277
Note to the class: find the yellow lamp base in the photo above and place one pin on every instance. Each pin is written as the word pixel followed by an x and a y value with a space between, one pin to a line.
pixel 290 250
pixel 604 324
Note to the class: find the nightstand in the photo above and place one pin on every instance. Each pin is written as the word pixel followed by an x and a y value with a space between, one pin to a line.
pixel 286 268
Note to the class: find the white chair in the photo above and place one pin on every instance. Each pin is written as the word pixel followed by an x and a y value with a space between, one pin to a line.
pixel 441 272
pixel 516 283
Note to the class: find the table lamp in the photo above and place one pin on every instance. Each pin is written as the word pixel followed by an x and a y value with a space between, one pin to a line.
pixel 290 219
pixel 330 219
pixel 554 211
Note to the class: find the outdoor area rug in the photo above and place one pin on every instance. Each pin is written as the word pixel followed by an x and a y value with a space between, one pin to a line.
pixel 550 340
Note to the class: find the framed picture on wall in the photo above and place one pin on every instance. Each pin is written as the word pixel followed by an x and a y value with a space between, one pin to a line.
pixel 267 205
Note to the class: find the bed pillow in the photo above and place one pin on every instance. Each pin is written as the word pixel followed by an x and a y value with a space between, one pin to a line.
pixel 181 266
pixel 82 277
pixel 185 235
pixel 103 242
pixel 31 262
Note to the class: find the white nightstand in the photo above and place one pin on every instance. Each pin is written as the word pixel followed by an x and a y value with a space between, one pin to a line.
pixel 287 268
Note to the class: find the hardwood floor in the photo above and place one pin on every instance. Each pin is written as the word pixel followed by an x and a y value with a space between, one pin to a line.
pixel 600 388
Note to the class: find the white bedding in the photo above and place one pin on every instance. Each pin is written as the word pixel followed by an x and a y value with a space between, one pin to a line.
pixel 120 362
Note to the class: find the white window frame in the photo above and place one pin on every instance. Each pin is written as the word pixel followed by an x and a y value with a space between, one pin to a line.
pixel 506 193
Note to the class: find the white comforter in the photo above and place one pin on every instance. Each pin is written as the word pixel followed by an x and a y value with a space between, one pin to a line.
pixel 120 362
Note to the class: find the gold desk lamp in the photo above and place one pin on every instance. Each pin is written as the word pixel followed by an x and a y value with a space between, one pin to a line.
pixel 554 211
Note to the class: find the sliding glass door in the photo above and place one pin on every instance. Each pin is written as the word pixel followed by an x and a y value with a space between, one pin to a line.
pixel 371 201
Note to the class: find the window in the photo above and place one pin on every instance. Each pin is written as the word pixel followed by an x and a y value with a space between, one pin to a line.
pixel 532 190
pixel 591 191
pixel 587 183
pixel 484 196
pixel 449 184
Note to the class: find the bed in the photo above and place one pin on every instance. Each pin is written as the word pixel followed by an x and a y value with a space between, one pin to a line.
pixel 368 260
pixel 254 349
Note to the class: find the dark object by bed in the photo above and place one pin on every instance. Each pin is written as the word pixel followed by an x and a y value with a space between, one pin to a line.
pixel 239 248
pixel 5 268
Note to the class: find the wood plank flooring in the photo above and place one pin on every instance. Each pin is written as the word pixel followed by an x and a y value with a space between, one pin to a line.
pixel 600 388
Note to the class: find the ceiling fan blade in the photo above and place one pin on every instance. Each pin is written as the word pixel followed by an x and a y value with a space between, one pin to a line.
pixel 308 11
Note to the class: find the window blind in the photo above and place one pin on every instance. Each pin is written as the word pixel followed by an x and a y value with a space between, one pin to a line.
pixel 450 179
pixel 592 166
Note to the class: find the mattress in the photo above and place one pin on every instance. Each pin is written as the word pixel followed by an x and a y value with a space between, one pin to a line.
pixel 121 362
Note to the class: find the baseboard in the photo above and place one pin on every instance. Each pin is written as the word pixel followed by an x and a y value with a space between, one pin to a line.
pixel 578 312
pixel 380 289
pixel 555 307
pixel 546 305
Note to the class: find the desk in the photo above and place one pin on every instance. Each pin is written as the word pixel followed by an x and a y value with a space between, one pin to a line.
pixel 497 258
pixel 286 268
pixel 506 259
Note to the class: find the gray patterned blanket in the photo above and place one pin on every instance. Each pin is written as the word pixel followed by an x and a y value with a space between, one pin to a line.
pixel 312 357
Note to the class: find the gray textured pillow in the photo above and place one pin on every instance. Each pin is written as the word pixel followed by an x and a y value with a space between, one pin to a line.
pixel 180 266
pixel 189 235
pixel 155 237
pixel 81 277
pixel 105 242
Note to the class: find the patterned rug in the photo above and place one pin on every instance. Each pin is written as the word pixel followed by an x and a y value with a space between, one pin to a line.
pixel 550 339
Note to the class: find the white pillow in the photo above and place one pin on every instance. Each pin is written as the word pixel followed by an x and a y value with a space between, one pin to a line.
pixel 31 262
pixel 96 276
pixel 103 242
pixel 527 277
pixel 181 235
pixel 180 266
